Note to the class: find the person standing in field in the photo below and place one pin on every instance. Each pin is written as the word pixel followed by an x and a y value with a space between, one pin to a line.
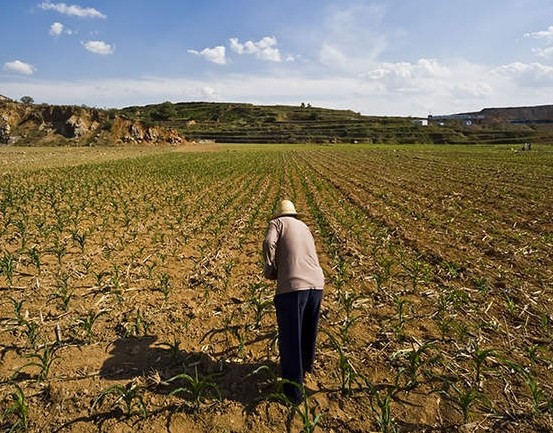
pixel 291 259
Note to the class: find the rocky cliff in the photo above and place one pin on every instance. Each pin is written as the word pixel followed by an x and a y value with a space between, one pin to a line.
pixel 29 124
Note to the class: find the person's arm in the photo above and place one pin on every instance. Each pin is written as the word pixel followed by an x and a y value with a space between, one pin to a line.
pixel 269 251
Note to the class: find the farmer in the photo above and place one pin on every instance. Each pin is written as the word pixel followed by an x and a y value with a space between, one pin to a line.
pixel 291 260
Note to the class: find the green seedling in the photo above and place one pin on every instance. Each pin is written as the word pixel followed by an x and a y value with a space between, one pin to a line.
pixel 164 285
pixel 462 398
pixel 16 416
pixel 401 319
pixel 380 402
pixel 310 419
pixel 195 387
pixel 415 361
pixel 86 323
pixel 43 361
pixel 34 256
pixel 62 294
pixel 348 374
pixel 128 397
pixel 31 331
pixel 479 357
pixel 79 238
pixel 7 267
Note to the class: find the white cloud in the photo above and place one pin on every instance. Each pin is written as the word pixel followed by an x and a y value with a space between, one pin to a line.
pixel 99 47
pixel 208 92
pixel 527 74
pixel 216 55
pixel 547 36
pixel 544 34
pixel 72 10
pixel 56 29
pixel 264 49
pixel 19 67
pixel 351 36
pixel 545 53
pixel 405 76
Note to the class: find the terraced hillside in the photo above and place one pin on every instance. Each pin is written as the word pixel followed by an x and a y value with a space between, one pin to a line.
pixel 247 123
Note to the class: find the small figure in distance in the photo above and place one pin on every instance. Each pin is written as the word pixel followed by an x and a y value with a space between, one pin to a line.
pixel 291 259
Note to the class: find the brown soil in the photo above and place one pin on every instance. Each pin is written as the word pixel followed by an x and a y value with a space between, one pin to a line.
pixel 135 266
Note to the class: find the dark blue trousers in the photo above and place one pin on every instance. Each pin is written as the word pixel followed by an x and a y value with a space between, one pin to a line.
pixel 297 317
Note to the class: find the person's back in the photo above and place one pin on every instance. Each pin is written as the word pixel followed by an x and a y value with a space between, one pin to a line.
pixel 295 257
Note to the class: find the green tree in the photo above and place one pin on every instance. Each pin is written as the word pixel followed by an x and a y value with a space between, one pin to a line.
pixel 164 111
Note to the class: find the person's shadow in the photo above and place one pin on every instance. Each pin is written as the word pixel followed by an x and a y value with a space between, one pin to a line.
pixel 247 383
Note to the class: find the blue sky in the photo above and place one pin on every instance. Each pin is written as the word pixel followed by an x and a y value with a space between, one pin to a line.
pixel 386 57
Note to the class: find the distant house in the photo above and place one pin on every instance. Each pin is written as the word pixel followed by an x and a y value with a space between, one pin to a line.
pixel 420 122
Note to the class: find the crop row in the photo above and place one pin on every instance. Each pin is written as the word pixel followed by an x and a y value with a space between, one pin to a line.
pixel 134 296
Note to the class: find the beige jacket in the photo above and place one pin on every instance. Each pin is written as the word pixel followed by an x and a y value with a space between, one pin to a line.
pixel 290 256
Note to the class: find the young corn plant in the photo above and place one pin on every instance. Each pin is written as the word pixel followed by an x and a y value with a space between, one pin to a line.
pixel 258 302
pixel 383 272
pixel 7 267
pixel 380 402
pixel 42 360
pixel 196 388
pixel 31 331
pixel 341 277
pixel 135 327
pixel 417 270
pixel 164 285
pixel 309 418
pixel 18 318
pixel 348 374
pixel 79 238
pixel 536 391
pixel 348 300
pixel 86 322
pixel 228 266
pixel 127 398
pixel 15 417
pixel 415 361
pixel 480 356
pixel 62 294
pixel 34 256
pixel 401 319
pixel 462 397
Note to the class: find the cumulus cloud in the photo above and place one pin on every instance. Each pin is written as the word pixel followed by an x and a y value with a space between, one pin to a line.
pixel 546 36
pixel 405 75
pixel 99 47
pixel 543 34
pixel 72 10
pixel 351 36
pixel 545 53
pixel 56 29
pixel 264 49
pixel 216 55
pixel 527 74
pixel 19 67
pixel 208 92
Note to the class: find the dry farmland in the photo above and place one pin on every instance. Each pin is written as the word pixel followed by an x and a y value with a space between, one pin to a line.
pixel 132 296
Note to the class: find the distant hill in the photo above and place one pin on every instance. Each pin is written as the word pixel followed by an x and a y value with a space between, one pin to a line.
pixel 248 123
pixel 42 124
